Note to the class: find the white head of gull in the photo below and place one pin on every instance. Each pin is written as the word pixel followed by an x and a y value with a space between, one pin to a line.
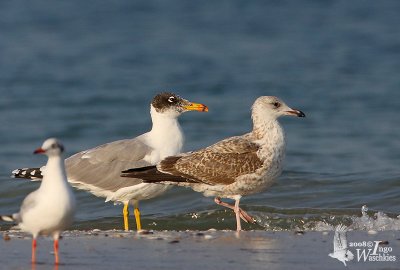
pixel 233 167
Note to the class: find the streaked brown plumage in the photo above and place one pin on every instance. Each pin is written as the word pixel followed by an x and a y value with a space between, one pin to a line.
pixel 220 163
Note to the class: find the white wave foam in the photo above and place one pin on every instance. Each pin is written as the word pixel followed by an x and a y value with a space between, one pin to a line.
pixel 378 222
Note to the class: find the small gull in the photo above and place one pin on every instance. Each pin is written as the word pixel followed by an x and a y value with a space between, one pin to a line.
pixel 340 247
pixel 50 209
pixel 97 170
pixel 233 167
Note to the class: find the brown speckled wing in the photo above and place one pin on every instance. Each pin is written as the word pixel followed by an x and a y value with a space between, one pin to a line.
pixel 220 163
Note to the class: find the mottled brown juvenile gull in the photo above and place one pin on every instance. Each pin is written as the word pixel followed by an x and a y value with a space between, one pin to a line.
pixel 98 170
pixel 234 167
pixel 50 209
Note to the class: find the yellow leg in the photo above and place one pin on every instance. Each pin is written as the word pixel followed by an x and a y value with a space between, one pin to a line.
pixel 126 215
pixel 137 216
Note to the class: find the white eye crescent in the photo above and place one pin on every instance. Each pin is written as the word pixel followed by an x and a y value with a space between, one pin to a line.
pixel 171 99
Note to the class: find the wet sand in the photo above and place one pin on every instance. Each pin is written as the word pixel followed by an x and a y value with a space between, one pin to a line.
pixel 190 250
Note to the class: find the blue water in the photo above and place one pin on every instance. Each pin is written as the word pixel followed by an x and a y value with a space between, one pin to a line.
pixel 85 72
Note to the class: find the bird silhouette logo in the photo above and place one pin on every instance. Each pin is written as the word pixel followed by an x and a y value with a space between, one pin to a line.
pixel 340 248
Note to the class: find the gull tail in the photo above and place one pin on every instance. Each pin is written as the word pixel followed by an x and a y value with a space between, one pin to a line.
pixel 28 173
pixel 148 174
pixel 151 174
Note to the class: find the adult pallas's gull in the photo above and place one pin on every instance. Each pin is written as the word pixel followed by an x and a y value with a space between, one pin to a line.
pixel 233 167
pixel 98 169
pixel 50 209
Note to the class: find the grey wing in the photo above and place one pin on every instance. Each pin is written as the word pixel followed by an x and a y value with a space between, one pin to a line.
pixel 220 163
pixel 98 169
pixel 340 239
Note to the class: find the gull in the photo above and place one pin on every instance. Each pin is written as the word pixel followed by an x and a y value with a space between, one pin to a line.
pixel 97 170
pixel 50 209
pixel 340 248
pixel 234 167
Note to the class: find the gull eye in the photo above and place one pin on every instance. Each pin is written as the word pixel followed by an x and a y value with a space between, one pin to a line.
pixel 54 145
pixel 276 104
pixel 171 99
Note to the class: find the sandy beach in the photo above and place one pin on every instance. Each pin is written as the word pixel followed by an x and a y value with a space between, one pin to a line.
pixel 192 250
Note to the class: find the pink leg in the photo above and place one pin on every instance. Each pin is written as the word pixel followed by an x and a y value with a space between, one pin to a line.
pixel 237 212
pixel 34 244
pixel 243 214
pixel 56 258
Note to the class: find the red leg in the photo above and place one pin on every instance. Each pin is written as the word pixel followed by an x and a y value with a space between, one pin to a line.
pixel 34 244
pixel 56 258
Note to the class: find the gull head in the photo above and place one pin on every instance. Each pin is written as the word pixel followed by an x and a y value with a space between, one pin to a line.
pixel 172 105
pixel 50 147
pixel 270 107
pixel 344 255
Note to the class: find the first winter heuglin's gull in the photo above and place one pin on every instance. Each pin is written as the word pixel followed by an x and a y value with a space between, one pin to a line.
pixel 233 167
